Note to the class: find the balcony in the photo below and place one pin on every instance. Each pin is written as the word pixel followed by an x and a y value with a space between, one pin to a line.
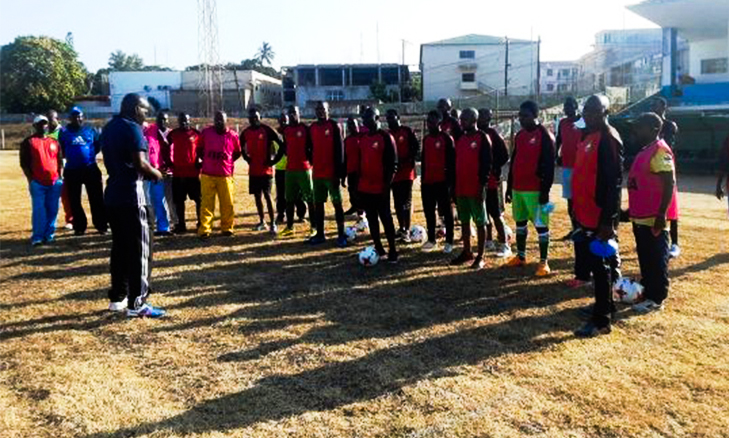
pixel 468 65
pixel 469 86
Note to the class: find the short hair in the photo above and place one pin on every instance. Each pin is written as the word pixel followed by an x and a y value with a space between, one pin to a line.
pixel 530 106
pixel 571 99
pixel 392 111
pixel 661 99
pixel 436 114
pixel 130 102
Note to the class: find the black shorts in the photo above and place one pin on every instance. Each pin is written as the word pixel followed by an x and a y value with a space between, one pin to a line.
pixel 260 184
pixel 184 188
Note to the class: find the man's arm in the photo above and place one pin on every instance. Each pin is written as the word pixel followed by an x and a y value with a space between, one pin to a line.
pixel 414 146
pixel 237 147
pixel 499 152
pixel 450 156
pixel 97 143
pixel 609 179
pixel 667 183
pixel 340 171
pixel 546 166
pixel 309 145
pixel 389 158
pixel 484 168
pixel 722 170
pixel 25 159
pixel 243 147
pixel 274 155
pixel 510 178
pixel 143 166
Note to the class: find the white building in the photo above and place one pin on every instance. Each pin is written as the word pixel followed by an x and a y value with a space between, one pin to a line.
pixel 558 77
pixel 150 84
pixel 474 65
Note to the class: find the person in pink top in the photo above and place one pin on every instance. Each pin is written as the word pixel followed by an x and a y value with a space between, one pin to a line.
pixel 156 136
pixel 217 151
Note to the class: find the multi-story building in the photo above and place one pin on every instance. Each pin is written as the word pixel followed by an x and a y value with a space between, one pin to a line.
pixel 558 77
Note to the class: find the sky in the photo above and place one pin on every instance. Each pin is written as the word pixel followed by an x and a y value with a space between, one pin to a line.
pixel 164 32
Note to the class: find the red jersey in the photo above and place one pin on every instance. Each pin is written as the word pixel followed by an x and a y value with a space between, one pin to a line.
pixel 41 155
pixel 570 136
pixel 473 153
pixel 296 138
pixel 373 153
pixel 405 154
pixel 218 151
pixel 351 152
pixel 500 156
pixel 525 166
pixel 257 142
pixel 184 143
pixel 326 140
pixel 435 157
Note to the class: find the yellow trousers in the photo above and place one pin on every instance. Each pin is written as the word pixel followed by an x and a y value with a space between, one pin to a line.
pixel 223 188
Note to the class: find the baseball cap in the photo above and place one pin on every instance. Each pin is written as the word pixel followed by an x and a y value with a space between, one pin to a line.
pixel 40 118
pixel 76 110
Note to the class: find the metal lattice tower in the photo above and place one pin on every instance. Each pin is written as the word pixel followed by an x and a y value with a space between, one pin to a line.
pixel 210 82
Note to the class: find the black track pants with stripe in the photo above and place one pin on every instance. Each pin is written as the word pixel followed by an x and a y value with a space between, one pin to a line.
pixel 131 253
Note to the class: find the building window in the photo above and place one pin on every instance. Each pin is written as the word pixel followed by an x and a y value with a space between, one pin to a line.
pixel 335 95
pixel 550 87
pixel 550 72
pixel 307 77
pixel 390 75
pixel 714 66
pixel 562 88
pixel 467 54
pixel 364 76
pixel 330 76
pixel 565 72
pixel 468 77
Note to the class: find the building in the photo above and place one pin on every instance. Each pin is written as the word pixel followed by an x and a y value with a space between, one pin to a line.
pixel 474 65
pixel 558 77
pixel 344 86
pixel 179 90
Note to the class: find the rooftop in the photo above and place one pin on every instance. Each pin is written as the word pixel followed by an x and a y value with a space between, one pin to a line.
pixel 476 40
pixel 695 19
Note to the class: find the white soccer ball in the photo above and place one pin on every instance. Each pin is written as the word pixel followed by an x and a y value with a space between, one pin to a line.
pixel 627 291
pixel 369 257
pixel 362 224
pixel 509 234
pixel 418 234
pixel 351 233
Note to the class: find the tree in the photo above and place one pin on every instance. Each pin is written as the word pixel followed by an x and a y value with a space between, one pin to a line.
pixel 265 54
pixel 120 61
pixel 39 73
pixel 378 90
pixel 411 91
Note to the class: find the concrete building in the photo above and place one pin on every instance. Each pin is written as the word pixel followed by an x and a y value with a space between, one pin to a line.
pixel 344 86
pixel 474 65
pixel 150 84
pixel 559 77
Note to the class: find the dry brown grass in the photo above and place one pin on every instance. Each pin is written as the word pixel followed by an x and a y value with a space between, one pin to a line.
pixel 272 339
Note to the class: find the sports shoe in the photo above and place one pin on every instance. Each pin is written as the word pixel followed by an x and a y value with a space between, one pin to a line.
pixel 405 238
pixel 576 283
pixel 590 330
pixel 342 241
pixel 167 233
pixel 478 264
pixel 674 252
pixel 316 240
pixel 430 246
pixel 587 312
pixel 50 239
pixel 118 306
pixel 490 245
pixel 515 262
pixel 392 257
pixel 146 311
pixel 504 251
pixel 312 232
pixel 273 229
pixel 260 227
pixel 447 248
pixel 68 227
pixel 462 258
pixel 543 270
pixel 567 236
pixel 205 236
pixel 647 306
pixel 286 232
pixel 180 230
pixel 228 233
pixel 36 243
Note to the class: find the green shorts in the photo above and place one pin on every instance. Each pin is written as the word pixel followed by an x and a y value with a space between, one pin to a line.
pixel 525 207
pixel 323 188
pixel 298 185
pixel 471 209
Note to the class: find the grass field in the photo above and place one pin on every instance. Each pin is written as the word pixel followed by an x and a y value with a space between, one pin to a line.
pixel 272 338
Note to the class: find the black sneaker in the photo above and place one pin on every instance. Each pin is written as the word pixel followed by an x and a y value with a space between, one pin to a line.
pixel 590 330
pixel 180 230
pixel 567 236
pixel 462 258
pixel 163 234
pixel 586 312
pixel 392 257
pixel 478 263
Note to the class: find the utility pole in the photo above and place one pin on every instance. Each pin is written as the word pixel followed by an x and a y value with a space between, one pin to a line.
pixel 506 68
pixel 402 82
pixel 539 68
pixel 237 87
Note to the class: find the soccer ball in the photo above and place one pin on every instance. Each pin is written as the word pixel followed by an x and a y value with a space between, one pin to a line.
pixel 509 234
pixel 362 224
pixel 351 233
pixel 369 257
pixel 627 291
pixel 418 234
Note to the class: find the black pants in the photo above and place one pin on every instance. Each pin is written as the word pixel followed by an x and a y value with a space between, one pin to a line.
pixel 281 199
pixel 494 204
pixel 131 253
pixel 377 208
pixel 352 183
pixel 402 194
pixel 674 232
pixel 184 188
pixel 602 275
pixel 437 195
pixel 582 265
pixel 653 261
pixel 90 177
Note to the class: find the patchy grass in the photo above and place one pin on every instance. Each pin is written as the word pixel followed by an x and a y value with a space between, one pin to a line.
pixel 272 338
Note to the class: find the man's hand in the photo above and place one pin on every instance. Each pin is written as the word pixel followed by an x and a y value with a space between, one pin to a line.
pixel 659 225
pixel 719 191
pixel 507 197
pixel 605 232
pixel 156 175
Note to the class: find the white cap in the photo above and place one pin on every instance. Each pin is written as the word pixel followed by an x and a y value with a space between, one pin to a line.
pixel 40 118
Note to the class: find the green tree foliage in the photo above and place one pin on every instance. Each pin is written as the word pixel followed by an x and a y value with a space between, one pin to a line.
pixel 39 73
pixel 120 61
pixel 265 54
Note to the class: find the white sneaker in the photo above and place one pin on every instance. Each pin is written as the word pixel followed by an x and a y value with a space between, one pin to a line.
pixel 504 251
pixel 274 229
pixel 490 245
pixel 430 246
pixel 674 252
pixel 119 306
pixel 68 226
pixel 647 306
pixel 260 227
pixel 447 248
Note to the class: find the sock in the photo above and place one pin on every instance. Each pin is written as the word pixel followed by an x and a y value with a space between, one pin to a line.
pixel 521 239
pixel 544 246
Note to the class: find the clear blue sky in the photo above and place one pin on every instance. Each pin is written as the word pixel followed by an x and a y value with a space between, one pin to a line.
pixel 310 31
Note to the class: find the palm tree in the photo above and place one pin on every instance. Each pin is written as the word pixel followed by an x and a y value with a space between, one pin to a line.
pixel 265 54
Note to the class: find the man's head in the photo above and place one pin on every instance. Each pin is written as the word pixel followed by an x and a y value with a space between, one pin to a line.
pixel 570 107
pixel 293 112
pixel 647 128
pixel 469 117
pixel 595 112
pixel 254 117
pixel 75 118
pixel 283 119
pixel 352 126
pixel 163 120
pixel 484 118
pixel 444 106
pixel 322 110
pixel 433 122
pixel 220 121
pixel 393 119
pixel 134 107
pixel 456 113
pixel 40 123
pixel 528 113
pixel 52 116
pixel 183 119
pixel 371 119
pixel 659 106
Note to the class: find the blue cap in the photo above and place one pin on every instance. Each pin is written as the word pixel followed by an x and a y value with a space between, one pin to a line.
pixel 77 110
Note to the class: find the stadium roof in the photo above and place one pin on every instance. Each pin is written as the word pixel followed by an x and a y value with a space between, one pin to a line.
pixel 475 40
pixel 695 19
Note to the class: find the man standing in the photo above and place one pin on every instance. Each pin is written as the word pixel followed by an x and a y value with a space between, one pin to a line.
pixel 156 137
pixel 722 171
pixel 40 159
pixel 596 185
pixel 568 136
pixel 377 167
pixel 449 124
pixel 80 146
pixel 217 151
pixel 280 177
pixel 125 157
pixel 328 160
pixel 669 134
pixel 408 149
pixel 351 154
pixel 54 130
pixel 186 174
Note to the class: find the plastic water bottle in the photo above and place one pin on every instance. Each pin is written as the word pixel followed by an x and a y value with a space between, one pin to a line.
pixel 604 249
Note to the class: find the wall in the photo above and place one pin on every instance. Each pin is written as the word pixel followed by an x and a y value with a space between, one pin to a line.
pixel 707 49
pixel 122 83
